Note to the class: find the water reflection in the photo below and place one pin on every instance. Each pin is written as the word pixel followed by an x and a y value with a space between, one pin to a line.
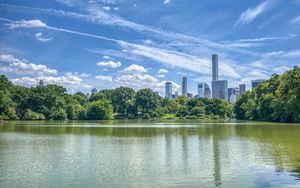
pixel 157 154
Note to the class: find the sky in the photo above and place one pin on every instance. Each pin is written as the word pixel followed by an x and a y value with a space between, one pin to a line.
pixel 104 44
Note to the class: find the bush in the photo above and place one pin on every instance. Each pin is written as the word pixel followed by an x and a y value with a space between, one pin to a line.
pixel 31 115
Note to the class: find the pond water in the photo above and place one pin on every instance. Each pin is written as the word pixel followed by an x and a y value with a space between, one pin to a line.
pixel 149 154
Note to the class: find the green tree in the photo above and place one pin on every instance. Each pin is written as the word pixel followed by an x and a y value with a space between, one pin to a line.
pixel 123 101
pixel 182 111
pixel 146 102
pixel 100 110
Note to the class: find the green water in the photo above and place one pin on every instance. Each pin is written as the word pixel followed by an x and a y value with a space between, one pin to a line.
pixel 149 154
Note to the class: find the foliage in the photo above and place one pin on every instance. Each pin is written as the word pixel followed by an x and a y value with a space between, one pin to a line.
pixel 277 99
pixel 31 115
pixel 99 110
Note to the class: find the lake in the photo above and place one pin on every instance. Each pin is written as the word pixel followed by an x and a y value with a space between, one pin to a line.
pixel 149 154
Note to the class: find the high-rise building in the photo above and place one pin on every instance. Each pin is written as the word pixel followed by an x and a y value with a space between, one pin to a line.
pixel 168 90
pixel 207 91
pixel 233 94
pixel 176 95
pixel 215 68
pixel 94 91
pixel 220 89
pixel 204 91
pixel 256 83
pixel 190 95
pixel 184 86
pixel 242 89
pixel 41 83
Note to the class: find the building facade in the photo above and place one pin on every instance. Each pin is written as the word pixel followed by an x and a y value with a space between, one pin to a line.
pixel 184 86
pixel 215 67
pixel 168 90
pixel 242 89
pixel 256 83
pixel 204 91
pixel 220 89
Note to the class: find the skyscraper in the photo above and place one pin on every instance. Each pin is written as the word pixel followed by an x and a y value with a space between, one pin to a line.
pixel 233 94
pixel 41 83
pixel 204 91
pixel 184 86
pixel 256 83
pixel 94 91
pixel 168 90
pixel 242 89
pixel 220 89
pixel 215 68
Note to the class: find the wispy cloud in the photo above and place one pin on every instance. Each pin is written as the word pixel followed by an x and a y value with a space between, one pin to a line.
pixel 104 78
pixel 167 1
pixel 283 54
pixel 296 20
pixel 39 36
pixel 252 13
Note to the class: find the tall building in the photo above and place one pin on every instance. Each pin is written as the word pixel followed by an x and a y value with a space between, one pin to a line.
pixel 242 89
pixel 256 83
pixel 41 83
pixel 94 91
pixel 233 94
pixel 184 86
pixel 190 95
pixel 215 67
pixel 204 91
pixel 168 90
pixel 220 89
pixel 176 95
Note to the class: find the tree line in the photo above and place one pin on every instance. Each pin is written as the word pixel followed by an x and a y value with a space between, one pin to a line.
pixel 53 102
pixel 277 99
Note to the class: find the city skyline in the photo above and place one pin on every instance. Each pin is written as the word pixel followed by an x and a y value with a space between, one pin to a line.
pixel 106 44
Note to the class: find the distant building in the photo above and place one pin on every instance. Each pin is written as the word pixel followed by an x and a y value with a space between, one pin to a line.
pixel 176 95
pixel 168 90
pixel 94 91
pixel 242 89
pixel 215 67
pixel 256 83
pixel 220 89
pixel 204 91
pixel 41 83
pixel 184 86
pixel 190 95
pixel 233 94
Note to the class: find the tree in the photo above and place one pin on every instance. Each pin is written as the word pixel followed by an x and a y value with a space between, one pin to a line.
pixel 198 111
pixel 182 111
pixel 100 110
pixel 146 102
pixel 123 101
pixel 31 115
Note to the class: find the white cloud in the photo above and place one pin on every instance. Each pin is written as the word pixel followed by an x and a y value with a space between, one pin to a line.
pixel 252 13
pixel 167 1
pixel 162 71
pixel 110 63
pixel 296 20
pixel 160 76
pixel 39 37
pixel 14 65
pixel 26 24
pixel 65 80
pixel 104 78
pixel 135 69
pixel 105 57
pixel 140 81
pixel 106 8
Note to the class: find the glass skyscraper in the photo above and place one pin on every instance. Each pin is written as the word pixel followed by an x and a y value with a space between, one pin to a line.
pixel 184 86
pixel 168 90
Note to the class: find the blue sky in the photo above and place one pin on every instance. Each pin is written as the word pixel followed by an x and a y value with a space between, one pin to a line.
pixel 82 44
